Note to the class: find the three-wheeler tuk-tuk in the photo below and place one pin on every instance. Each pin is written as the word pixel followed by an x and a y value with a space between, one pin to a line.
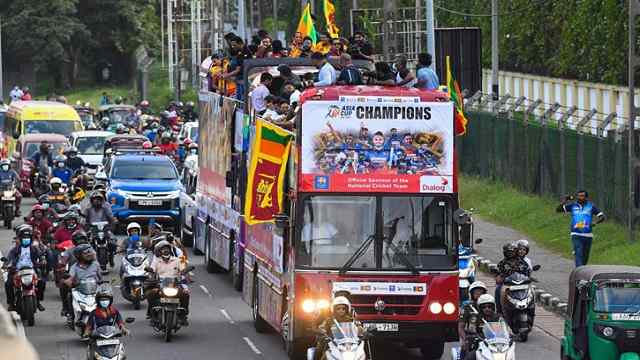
pixel 603 314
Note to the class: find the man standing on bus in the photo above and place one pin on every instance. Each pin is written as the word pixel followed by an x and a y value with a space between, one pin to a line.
pixel 327 75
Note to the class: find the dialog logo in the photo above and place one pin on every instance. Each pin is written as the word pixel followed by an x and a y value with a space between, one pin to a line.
pixel 435 184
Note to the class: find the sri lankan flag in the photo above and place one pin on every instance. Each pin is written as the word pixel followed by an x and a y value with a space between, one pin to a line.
pixel 330 19
pixel 305 25
pixel 458 101
pixel 269 154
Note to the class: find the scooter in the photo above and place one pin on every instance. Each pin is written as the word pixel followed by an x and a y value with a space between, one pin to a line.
pixel 100 242
pixel 83 302
pixel 496 343
pixel 133 276
pixel 8 202
pixel 106 344
pixel 345 343
pixel 519 307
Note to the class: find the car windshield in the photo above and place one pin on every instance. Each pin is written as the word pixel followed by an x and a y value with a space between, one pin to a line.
pixel 90 145
pixel 32 148
pixel 339 232
pixel 118 116
pixel 63 127
pixel 140 170
pixel 618 297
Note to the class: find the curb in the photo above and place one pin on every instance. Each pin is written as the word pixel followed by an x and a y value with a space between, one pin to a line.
pixel 548 301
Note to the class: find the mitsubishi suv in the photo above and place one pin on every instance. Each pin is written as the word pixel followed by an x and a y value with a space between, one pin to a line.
pixel 144 186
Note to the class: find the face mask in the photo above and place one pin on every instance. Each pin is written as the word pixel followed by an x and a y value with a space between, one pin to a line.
pixel 45 205
pixel 104 303
pixel 193 152
pixel 5 167
pixel 135 237
pixel 25 242
pixel 60 165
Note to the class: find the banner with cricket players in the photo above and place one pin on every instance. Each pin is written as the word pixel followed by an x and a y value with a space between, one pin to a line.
pixel 377 146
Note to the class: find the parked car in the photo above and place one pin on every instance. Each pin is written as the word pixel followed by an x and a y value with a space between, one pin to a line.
pixel 143 186
pixel 90 146
pixel 26 146
pixel 188 206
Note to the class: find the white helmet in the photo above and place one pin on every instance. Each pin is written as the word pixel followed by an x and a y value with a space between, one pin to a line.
pixel 486 299
pixel 134 225
pixel 477 285
pixel 55 180
pixel 341 300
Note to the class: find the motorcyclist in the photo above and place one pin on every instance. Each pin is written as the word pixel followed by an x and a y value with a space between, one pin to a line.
pixel 168 147
pixel 133 240
pixel 23 255
pixel 469 313
pixel 8 174
pixel 70 224
pixel 46 205
pixel 56 195
pixel 43 158
pixel 193 149
pixel 99 210
pixel 74 162
pixel 341 313
pixel 40 222
pixel 164 264
pixel 507 266
pixel 61 170
pixel 66 256
pixel 145 107
pixel 86 267
pixel 486 313
pixel 155 231
pixel 105 314
pixel 189 113
pixel 152 131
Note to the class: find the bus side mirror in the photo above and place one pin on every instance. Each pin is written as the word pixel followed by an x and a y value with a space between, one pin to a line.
pixel 536 267
pixel 461 217
pixel 478 241
pixel 281 220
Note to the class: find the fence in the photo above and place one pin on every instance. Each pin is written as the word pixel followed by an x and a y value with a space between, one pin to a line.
pixel 543 154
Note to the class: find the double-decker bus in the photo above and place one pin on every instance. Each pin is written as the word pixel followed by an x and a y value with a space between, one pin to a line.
pixel 368 211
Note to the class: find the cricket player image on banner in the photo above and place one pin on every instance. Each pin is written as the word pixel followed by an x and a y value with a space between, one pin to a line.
pixel 377 146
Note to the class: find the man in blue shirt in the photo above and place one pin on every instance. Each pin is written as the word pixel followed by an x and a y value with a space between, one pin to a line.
pixel 582 212
pixel 427 78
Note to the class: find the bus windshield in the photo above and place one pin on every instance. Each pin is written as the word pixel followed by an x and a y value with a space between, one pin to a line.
pixel 63 127
pixel 618 298
pixel 376 233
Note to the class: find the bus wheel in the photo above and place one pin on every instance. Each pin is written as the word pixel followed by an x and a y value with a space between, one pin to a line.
pixel 259 323
pixel 432 350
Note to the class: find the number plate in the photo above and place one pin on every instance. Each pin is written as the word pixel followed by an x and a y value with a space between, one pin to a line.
pixel 383 326
pixel 149 202
pixel 518 287
pixel 107 342
pixel 170 300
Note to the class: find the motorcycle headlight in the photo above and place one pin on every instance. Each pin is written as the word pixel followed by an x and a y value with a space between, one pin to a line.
pixel 7 193
pixel 170 292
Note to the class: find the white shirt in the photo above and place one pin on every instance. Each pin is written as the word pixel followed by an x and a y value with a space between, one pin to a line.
pixel 24 260
pixel 16 94
pixel 327 75
pixel 295 97
pixel 257 97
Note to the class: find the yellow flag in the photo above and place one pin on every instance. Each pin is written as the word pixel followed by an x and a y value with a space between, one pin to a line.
pixel 330 18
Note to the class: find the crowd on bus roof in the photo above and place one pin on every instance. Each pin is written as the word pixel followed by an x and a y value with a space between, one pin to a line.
pixel 333 57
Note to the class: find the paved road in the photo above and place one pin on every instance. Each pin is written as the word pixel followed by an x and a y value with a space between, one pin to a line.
pixel 220 329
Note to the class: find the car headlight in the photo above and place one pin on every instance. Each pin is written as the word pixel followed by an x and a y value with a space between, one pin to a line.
pixel 170 292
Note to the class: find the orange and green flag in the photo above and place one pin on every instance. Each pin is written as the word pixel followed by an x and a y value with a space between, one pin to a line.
pixel 305 26
pixel 269 155
pixel 458 101
pixel 330 19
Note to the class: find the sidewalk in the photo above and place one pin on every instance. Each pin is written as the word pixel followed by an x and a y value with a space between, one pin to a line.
pixel 554 274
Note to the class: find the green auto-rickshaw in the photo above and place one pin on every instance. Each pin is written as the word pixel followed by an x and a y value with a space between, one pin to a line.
pixel 603 314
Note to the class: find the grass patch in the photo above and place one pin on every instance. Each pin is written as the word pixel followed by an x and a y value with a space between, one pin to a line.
pixel 536 217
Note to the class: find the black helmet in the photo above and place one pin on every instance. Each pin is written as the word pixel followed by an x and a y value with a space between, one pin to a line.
pixel 79 237
pixel 24 231
pixel 70 216
pixel 509 250
pixel 96 195
pixel 44 198
pixel 82 249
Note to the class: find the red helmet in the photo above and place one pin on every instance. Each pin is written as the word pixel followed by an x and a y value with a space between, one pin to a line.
pixel 37 207
pixel 147 145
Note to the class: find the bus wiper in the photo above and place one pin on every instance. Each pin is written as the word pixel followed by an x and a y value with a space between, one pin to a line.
pixel 356 255
pixel 403 258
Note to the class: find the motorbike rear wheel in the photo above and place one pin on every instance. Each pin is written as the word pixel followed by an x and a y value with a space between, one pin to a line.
pixel 168 325
pixel 28 310
pixel 136 304
pixel 103 258
pixel 8 215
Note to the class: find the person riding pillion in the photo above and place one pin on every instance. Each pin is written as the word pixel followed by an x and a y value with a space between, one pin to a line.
pixel 487 313
pixel 74 162
pixel 56 195
pixel 511 263
pixel 61 170
pixel 10 175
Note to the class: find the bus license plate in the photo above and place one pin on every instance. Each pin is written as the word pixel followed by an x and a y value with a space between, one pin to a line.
pixel 149 202
pixel 170 300
pixel 383 326
pixel 107 342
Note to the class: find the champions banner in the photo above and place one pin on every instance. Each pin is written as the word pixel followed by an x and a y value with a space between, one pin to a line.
pixel 269 154
pixel 377 145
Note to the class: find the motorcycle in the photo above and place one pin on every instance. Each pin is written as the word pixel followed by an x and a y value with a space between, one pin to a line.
pixel 8 202
pixel 133 276
pixel 165 316
pixel 106 344
pixel 344 343
pixel 100 241
pixel 467 270
pixel 496 343
pixel 83 302
pixel 25 283
pixel 40 183
pixel 519 304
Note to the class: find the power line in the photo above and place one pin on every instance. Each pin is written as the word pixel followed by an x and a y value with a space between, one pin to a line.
pixel 522 9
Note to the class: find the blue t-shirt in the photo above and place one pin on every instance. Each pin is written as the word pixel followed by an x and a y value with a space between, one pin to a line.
pixel 582 217
pixel 63 173
pixel 427 78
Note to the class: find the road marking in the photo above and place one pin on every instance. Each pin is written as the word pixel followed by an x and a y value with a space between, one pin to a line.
pixel 227 316
pixel 252 345
pixel 205 290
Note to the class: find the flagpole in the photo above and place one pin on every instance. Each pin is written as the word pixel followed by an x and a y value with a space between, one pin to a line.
pixel 431 38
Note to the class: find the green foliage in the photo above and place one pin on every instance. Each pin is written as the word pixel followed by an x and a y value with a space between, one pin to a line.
pixel 535 217
pixel 584 40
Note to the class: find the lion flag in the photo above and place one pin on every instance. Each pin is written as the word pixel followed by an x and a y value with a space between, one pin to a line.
pixel 330 18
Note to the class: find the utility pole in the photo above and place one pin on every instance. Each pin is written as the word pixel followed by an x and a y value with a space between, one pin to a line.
pixel 170 58
pixel 1 67
pixel 275 19
pixel 634 164
pixel 162 31
pixel 494 50
pixel 242 23
pixel 431 33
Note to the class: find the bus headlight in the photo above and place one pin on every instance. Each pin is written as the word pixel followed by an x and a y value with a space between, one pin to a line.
pixel 449 308
pixel 435 307
pixel 308 306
